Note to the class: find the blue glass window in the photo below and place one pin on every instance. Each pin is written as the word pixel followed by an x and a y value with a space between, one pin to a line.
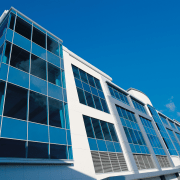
pixel 38 85
pixel 2 86
pixel 14 129
pixel 55 91
pixel 3 71
pixel 37 132
pixel 38 50
pixel 56 113
pixel 3 27
pixel 6 54
pixel 22 42
pixel 57 135
pixel 81 96
pixel 15 102
pixel 52 46
pixel 89 99
pixel 97 102
pixel 83 76
pixel 97 129
pixel 91 80
pixel 37 150
pixel 105 130
pixel 11 21
pixel 101 145
pixel 110 146
pixel 76 72
pixel 93 144
pixel 18 77
pixel 38 67
pixel 88 126
pixel 58 151
pixel 37 108
pixel 9 35
pixel 53 59
pixel 139 106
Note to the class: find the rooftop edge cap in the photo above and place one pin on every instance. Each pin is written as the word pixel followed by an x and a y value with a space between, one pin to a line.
pixel 139 95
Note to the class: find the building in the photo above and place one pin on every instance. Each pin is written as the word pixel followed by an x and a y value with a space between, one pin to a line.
pixel 62 118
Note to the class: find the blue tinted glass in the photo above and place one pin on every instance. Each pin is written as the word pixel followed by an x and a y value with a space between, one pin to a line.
pixel 78 83
pixel 93 144
pixel 94 91
pixel 1 51
pixel 101 94
pixel 39 51
pixel 101 145
pixel 142 149
pixel 57 135
pixel 2 39
pixel 97 128
pixel 37 150
pixel 98 85
pixel 3 71
pixel 63 79
pixel 3 27
pixel 53 59
pixel 24 18
pixel 86 87
pixel 83 76
pixel 128 134
pixel 16 102
pixel 97 102
pixel 37 132
pixel 117 147
pixel 22 42
pixel 52 45
pixel 37 108
pixel 62 64
pixel 110 146
pixel 105 129
pixel 113 133
pixel 18 77
pixel 66 115
pixel 12 128
pixel 56 113
pixel 137 147
pixel 103 102
pixel 65 95
pixel 6 53
pixel 68 137
pixel 9 35
pixel 54 75
pixel 38 85
pixel 55 91
pixel 81 96
pixel 132 148
pixel 88 126
pixel 75 72
pixel 58 151
pixel 70 152
pixel 89 99
pixel 91 80
pixel 61 51
pixel 11 21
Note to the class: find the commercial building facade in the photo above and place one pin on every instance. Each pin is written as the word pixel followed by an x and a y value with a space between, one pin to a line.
pixel 62 118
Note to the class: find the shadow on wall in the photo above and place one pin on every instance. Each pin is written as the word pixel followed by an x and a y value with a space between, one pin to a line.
pixel 41 172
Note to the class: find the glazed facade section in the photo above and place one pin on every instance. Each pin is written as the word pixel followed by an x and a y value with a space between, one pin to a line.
pixel 34 108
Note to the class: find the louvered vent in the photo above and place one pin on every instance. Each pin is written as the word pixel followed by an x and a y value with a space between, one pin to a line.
pixel 105 162
pixel 163 161
pixel 143 161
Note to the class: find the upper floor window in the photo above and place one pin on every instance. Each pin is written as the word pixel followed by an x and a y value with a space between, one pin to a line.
pixel 163 119
pixel 139 106
pixel 118 94
pixel 89 90
pixel 172 124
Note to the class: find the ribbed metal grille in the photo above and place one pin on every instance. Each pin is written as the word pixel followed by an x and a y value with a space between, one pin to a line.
pixel 143 161
pixel 163 161
pixel 108 162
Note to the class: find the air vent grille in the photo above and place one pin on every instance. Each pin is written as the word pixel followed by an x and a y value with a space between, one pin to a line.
pixel 143 161
pixel 105 162
pixel 163 161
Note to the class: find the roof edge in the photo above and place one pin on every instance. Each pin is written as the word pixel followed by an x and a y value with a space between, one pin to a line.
pixel 136 90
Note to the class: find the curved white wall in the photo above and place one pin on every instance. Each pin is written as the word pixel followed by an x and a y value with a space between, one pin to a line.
pixel 139 95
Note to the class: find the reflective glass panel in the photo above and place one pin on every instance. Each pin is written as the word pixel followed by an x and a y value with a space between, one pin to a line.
pixel 37 132
pixel 2 86
pixel 14 129
pixel 38 67
pixel 91 80
pixel 38 85
pixel 105 130
pixel 3 71
pixel 54 75
pixel 53 59
pixel 37 150
pixel 9 35
pixel 58 151
pixel 70 152
pixel 68 137
pixel 56 113
pixel 57 135
pixel 37 108
pixel 75 72
pixel 12 19
pixel 97 128
pixel 98 85
pixel 110 146
pixel 39 37
pixel 16 102
pixel 55 91
pixel 20 58
pixel 88 126
pixel 22 42
pixel 103 102
pixel 8 144
pixel 18 77
pixel 52 46
pixel 38 50
pixel 101 145
pixel 97 103
pixel 92 144
pixel 6 54
pixel 89 99
pixel 23 28
pixel 3 27
pixel 81 96
pixel 113 133
pixel 83 76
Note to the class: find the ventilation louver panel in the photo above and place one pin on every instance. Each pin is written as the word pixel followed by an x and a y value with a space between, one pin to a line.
pixel 163 161
pixel 105 162
pixel 143 161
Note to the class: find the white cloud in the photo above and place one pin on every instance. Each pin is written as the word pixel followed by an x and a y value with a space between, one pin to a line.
pixel 178 113
pixel 171 106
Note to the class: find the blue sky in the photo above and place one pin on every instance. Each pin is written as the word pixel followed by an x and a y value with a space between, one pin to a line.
pixel 136 42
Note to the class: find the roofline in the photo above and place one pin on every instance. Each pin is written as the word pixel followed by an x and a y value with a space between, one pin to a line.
pixel 35 23
pixel 136 90
pixel 86 63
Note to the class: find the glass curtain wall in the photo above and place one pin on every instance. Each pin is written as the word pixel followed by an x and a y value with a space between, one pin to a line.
pixel 34 110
